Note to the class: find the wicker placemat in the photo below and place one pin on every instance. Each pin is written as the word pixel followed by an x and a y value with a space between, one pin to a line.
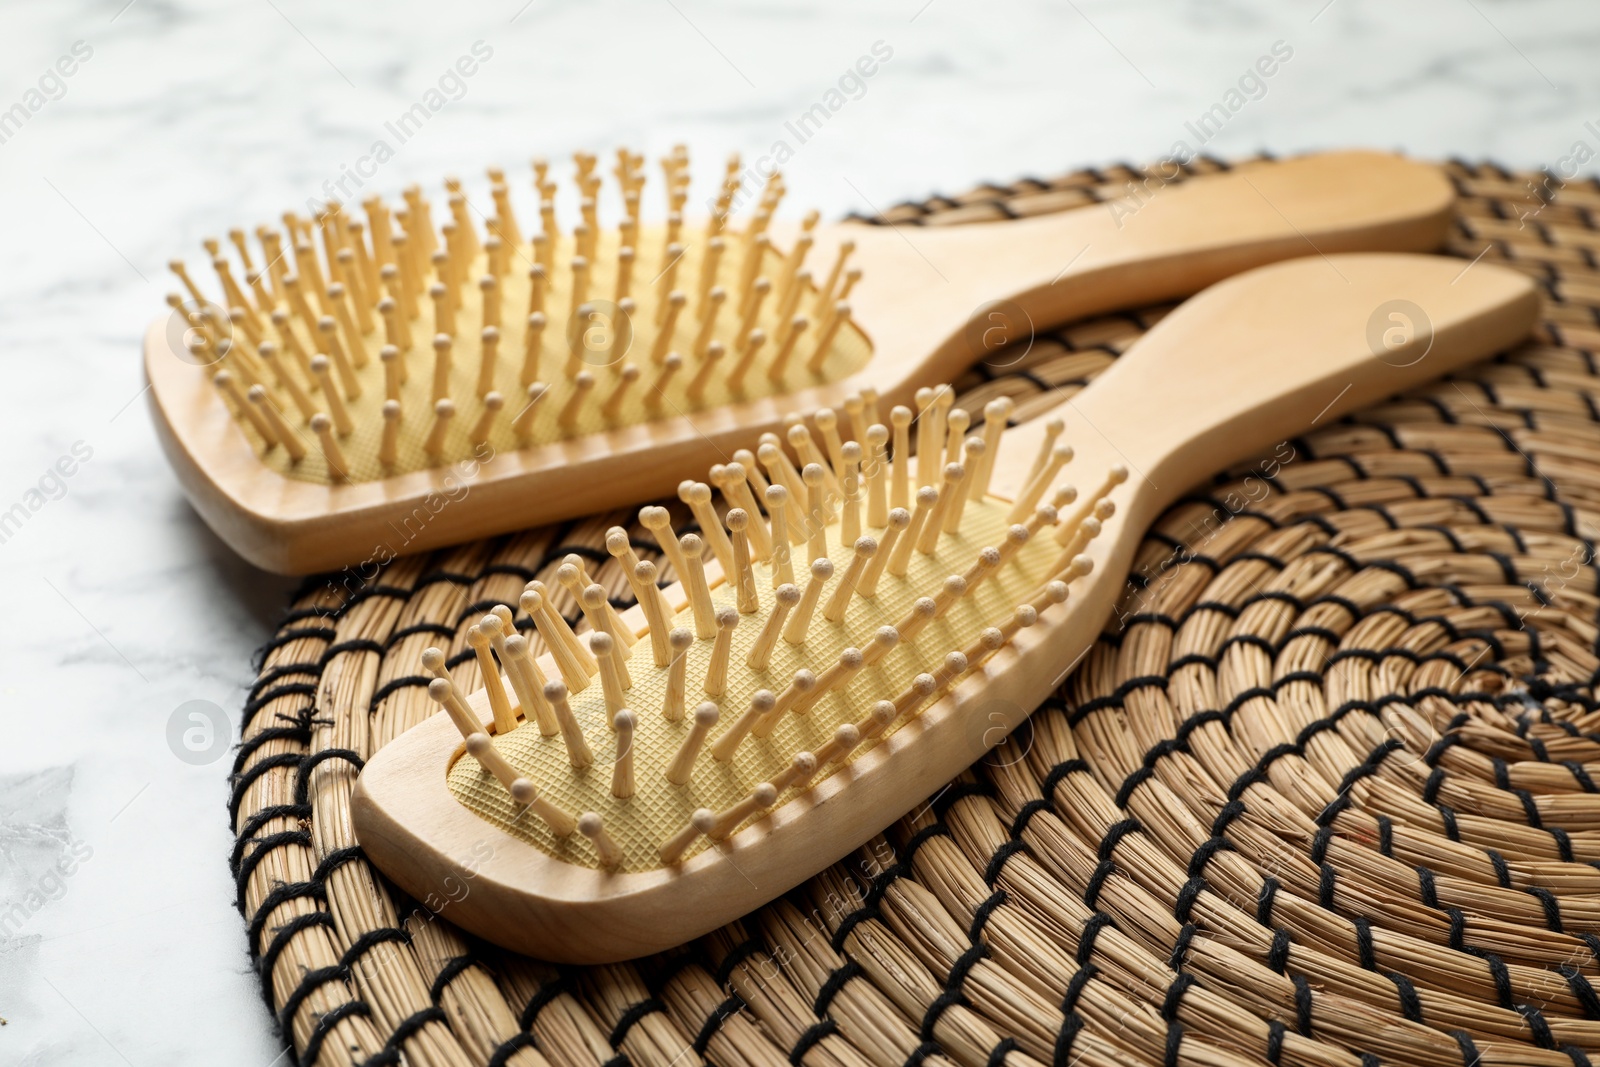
pixel 1325 795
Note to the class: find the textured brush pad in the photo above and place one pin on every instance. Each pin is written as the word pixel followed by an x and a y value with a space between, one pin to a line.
pixel 847 354
pixel 659 809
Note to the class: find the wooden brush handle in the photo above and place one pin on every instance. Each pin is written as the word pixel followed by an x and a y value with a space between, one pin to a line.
pixel 1274 353
pixel 998 282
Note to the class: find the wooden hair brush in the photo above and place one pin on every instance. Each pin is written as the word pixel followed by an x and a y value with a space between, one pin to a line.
pixel 365 385
pixel 863 630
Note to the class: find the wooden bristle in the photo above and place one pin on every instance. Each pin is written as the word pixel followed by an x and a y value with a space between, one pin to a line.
pixel 625 321
pixel 610 854
pixel 887 620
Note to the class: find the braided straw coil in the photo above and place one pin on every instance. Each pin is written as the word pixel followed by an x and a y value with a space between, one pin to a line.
pixel 1323 794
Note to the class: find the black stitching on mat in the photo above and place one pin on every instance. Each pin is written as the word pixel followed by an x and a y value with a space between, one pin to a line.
pixel 290 636
pixel 1319 845
pixel 1447 815
pixel 1058 774
pixel 391 592
pixel 300 734
pixel 371 940
pixel 1169 1011
pixel 488 604
pixel 1219 827
pixel 301 614
pixel 837 979
pixel 981 916
pixel 952 994
pixel 281 670
pixel 881 883
pixel 1075 986
pixel 438 629
pixel 723 1012
pixel 1302 1004
pixel 309 983
pixel 509 1048
pixel 1552 907
pixel 541 999
pixel 1410 1003
pixel 630 1018
pixel 325 1024
pixel 452 969
pixel 1276 1032
pixel 1091 933
pixel 407 1029
pixel 1278 951
pixel 516 570
pixel 1367 767
pixel 1025 814
pixel 406 681
pixel 1582 990
pixel 307 689
pixel 736 956
pixel 1192 888
pixel 435 577
pixel 280 895
pixel 1003 1048
pixel 247 832
pixel 264 845
pixel 242 782
pixel 1538 1026
pixel 960 791
pixel 1502 871
pixel 334 860
pixel 1071 1023
pixel 280 940
pixel 1180 948
pixel 1107 864
pixel 813 1034
pixel 302 782
pixel 352 645
pixel 1426 889
pixel 997 862
pixel 1264 900
pixel 1563 842
pixel 1578 1057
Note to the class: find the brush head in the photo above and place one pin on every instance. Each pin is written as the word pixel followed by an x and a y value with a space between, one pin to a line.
pixel 796 677
pixel 374 316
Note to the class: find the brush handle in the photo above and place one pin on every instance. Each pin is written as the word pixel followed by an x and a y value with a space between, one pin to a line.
pixel 1274 353
pixel 942 298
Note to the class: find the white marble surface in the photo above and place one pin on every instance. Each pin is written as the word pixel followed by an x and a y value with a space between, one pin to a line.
pixel 189 117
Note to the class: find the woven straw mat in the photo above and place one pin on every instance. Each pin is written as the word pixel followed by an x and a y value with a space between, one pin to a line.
pixel 1323 794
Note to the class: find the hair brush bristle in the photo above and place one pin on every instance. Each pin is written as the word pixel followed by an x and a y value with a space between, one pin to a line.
pixel 356 348
pixel 832 617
